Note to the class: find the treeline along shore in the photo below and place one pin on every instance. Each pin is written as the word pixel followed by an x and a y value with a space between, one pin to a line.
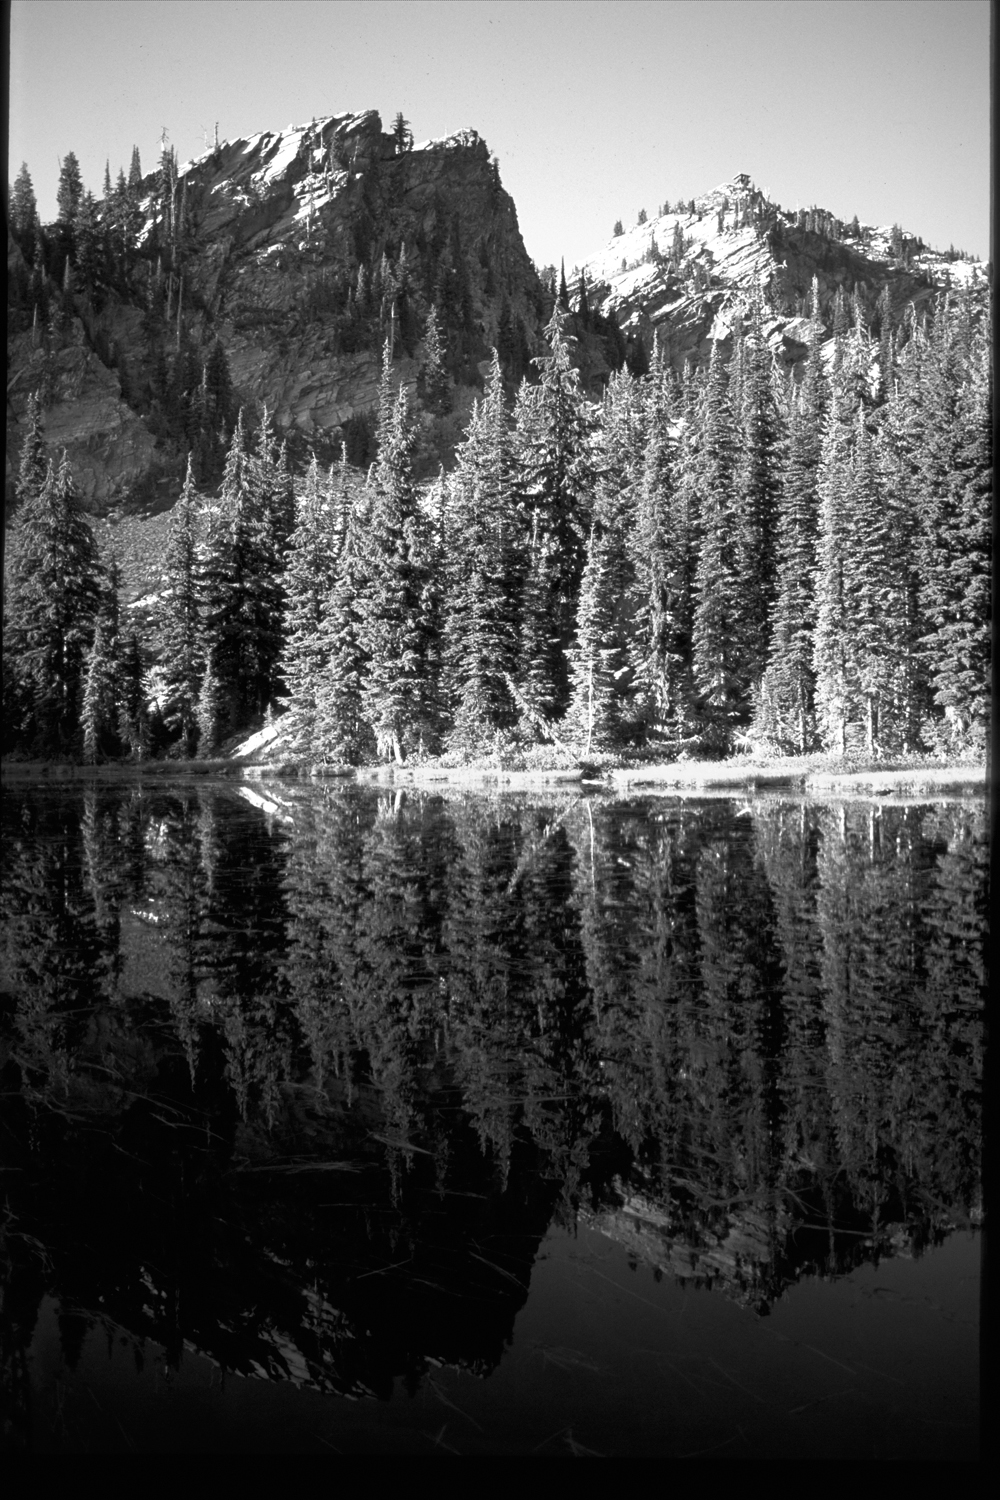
pixel 737 559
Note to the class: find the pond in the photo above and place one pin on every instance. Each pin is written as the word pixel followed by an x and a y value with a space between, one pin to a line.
pixel 359 1121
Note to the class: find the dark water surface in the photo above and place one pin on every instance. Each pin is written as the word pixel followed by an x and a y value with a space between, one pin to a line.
pixel 361 1122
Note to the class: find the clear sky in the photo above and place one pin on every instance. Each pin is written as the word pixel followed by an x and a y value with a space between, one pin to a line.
pixel 595 110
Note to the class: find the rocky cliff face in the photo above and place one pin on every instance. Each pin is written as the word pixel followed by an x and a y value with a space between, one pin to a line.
pixel 296 254
pixel 682 278
pixel 300 252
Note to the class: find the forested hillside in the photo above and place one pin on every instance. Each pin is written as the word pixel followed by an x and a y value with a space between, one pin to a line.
pixel 746 551
pixel 267 272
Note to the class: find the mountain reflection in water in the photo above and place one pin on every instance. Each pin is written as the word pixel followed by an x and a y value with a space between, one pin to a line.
pixel 300 1079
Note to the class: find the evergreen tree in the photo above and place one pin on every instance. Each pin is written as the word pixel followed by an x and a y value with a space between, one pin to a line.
pixel 887 342
pixel 538 682
pixel 89 256
pixel 24 211
pixel 133 715
pixel 597 658
pixel 341 733
pixel 245 587
pixel 393 627
pixel 215 408
pixel 69 193
pixel 99 715
pixel 181 612
pixel 785 711
pixel 717 659
pixel 555 479
pixel 618 478
pixel 131 203
pixel 879 641
pixel 480 629
pixel 830 653
pixel 51 599
pixel 954 546
pixel 864 642
pixel 582 305
pixel 663 558
pixel 309 578
pixel 211 708
pixel 434 383
pixel 756 499
pixel 34 463
pixel 135 173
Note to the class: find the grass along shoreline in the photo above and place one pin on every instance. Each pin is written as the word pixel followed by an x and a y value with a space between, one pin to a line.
pixel 823 775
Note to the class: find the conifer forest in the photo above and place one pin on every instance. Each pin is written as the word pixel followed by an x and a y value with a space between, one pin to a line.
pixel 733 556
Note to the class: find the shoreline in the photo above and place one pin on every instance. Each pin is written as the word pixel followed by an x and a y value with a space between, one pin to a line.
pixel 691 778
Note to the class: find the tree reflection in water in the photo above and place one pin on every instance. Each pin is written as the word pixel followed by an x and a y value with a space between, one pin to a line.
pixel 303 1078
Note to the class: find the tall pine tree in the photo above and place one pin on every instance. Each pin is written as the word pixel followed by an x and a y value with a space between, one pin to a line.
pixel 52 596
pixel 396 692
pixel 556 472
pixel 718 659
pixel 312 566
pixel 785 709
pixel 181 616
pixel 480 625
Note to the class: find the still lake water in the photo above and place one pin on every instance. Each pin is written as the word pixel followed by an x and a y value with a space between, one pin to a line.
pixel 338 1120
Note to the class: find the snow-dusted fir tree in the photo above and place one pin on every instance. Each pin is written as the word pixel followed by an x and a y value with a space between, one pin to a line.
pixel 341 733
pixel 245 592
pixel 878 636
pixel 756 497
pixel 718 660
pixel 481 598
pixel 102 685
pixel 210 710
pixel 275 516
pixel 598 657
pixel 784 709
pixel 311 568
pixel 552 447
pixel 944 403
pixel 181 613
pixel 618 480
pixel 52 597
pixel 393 625
pixel 133 704
pixel 832 699
pixel 662 544
pixel 956 598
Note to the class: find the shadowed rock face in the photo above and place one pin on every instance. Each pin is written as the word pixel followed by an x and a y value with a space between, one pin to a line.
pixel 301 251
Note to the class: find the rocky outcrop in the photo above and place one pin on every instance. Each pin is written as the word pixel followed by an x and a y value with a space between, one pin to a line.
pixel 112 451
pixel 683 278
pixel 300 252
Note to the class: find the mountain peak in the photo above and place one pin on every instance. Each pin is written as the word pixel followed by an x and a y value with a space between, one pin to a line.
pixel 684 277
pixel 301 252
